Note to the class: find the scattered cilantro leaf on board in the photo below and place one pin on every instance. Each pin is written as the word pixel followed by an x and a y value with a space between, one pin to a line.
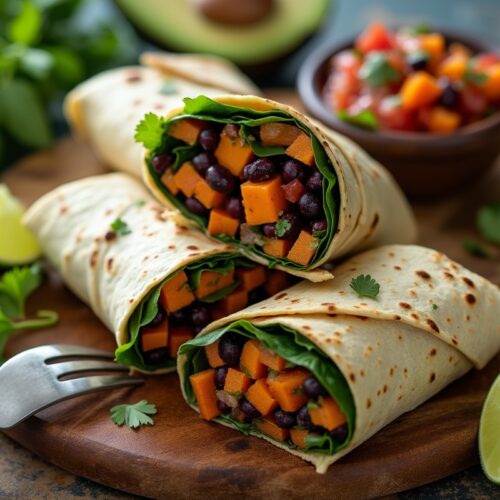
pixel 134 415
pixel 120 227
pixel 488 222
pixel 282 226
pixel 149 131
pixel 365 286
pixel 475 248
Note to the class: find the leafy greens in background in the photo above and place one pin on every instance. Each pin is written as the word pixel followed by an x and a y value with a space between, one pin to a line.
pixel 488 225
pixel 47 47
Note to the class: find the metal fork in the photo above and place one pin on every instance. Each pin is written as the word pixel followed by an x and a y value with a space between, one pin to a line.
pixel 32 380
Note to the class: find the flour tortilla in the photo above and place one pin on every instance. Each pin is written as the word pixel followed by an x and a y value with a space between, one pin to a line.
pixel 104 110
pixel 395 351
pixel 373 210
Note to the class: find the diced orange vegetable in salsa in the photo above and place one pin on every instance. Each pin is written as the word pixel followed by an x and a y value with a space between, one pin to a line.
pixel 211 281
pixel 453 67
pixel 177 336
pixel 491 87
pixel 263 201
pixel 250 360
pixel 277 248
pixel 442 121
pixel 278 134
pixel 233 154
pixel 433 44
pixel 301 149
pixel 251 277
pixel 375 37
pixel 260 396
pixel 327 415
pixel 219 222
pixel 186 178
pixel 286 387
pixel 235 301
pixel 269 427
pixel 154 337
pixel 207 196
pixel 236 381
pixel 294 190
pixel 303 249
pixel 176 293
pixel 212 353
pixel 187 129
pixel 276 281
pixel 299 437
pixel 203 384
pixel 271 359
pixel 418 90
pixel 168 180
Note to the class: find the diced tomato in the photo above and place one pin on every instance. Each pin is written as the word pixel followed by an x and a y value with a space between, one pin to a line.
pixel 294 190
pixel 347 62
pixel 393 116
pixel 343 91
pixel 472 102
pixel 484 61
pixel 375 37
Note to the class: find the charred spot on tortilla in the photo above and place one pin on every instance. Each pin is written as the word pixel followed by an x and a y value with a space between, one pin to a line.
pixel 432 324
pixel 432 377
pixel 93 258
pixel 405 305
pixel 171 247
pixel 423 274
pixel 391 372
pixel 414 316
pixel 398 268
pixel 467 318
pixel 192 247
pixel 280 296
pixel 109 263
pixel 470 299
pixel 133 78
pixel 368 403
pixel 352 377
pixel 397 317
pixel 432 352
pixel 468 281
pixel 110 235
pixel 295 301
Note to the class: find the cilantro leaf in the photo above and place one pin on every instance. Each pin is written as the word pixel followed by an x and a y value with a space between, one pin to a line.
pixel 133 415
pixel 312 405
pixel 120 227
pixel 488 222
pixel 435 306
pixel 282 226
pixel 472 75
pixel 365 286
pixel 365 118
pixel 377 70
pixel 475 248
pixel 149 131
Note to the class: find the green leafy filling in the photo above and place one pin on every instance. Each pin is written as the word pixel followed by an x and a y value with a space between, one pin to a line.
pixel 293 347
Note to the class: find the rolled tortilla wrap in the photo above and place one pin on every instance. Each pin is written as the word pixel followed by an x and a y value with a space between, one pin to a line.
pixel 104 110
pixel 306 194
pixel 431 322
pixel 152 282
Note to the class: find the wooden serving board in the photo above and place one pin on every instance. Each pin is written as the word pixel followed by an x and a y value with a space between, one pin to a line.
pixel 184 457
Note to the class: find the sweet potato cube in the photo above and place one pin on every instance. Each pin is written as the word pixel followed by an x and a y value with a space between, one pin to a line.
pixel 251 277
pixel 176 293
pixel 453 67
pixel 235 301
pixel 327 415
pixel 211 281
pixel 434 45
pixel 250 360
pixel 301 149
pixel 236 382
pixel 219 222
pixel 269 427
pixel 168 180
pixel 178 335
pixel 263 201
pixel 187 129
pixel 276 281
pixel 233 154
pixel 299 437
pixel 277 248
pixel 491 87
pixel 286 388
pixel 154 337
pixel 442 120
pixel 271 359
pixel 303 249
pixel 203 384
pixel 278 134
pixel 186 178
pixel 419 89
pixel 212 353
pixel 260 396
pixel 207 196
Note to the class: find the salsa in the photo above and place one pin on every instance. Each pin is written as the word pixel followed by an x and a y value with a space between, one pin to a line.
pixel 413 80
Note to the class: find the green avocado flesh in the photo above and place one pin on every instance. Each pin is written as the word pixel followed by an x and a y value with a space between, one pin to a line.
pixel 295 349
pixel 178 25
pixel 130 353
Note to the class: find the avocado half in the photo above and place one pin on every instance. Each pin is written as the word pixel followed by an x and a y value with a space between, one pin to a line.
pixel 179 25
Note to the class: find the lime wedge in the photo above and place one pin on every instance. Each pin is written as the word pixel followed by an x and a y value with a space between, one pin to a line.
pixel 17 245
pixel 489 433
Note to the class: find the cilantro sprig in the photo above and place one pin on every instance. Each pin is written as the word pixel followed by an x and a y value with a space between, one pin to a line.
pixel 120 227
pixel 365 119
pixel 377 70
pixel 365 286
pixel 282 226
pixel 476 248
pixel 134 415
pixel 488 222
pixel 149 131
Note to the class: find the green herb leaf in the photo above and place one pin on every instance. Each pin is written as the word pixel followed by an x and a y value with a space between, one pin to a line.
pixel 365 286
pixel 377 70
pixel 134 415
pixel 365 118
pixel 37 63
pixel 417 29
pixel 472 75
pixel 68 66
pixel 435 306
pixel 149 131
pixel 120 227
pixel 282 226
pixel 475 248
pixel 25 28
pixel 488 222
pixel 312 405
pixel 169 87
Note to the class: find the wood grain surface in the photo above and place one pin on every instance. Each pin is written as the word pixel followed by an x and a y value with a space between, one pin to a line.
pixel 184 457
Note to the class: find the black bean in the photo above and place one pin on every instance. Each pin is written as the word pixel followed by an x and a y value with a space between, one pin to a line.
pixel 310 206
pixel 315 182
pixel 303 418
pixel 220 179
pixel 269 230
pixel 230 347
pixel 195 206
pixel 256 295
pixel 319 225
pixel 223 407
pixel 450 95
pixel 294 169
pixel 156 356
pixel 232 130
pixel 200 315
pixel 161 162
pixel 417 60
pixel 312 388
pixel 339 433
pixel 202 161
pixel 209 139
pixel 259 170
pixel 181 316
pixel 290 227
pixel 159 318
pixel 234 208
pixel 249 408
pixel 220 377
pixel 284 419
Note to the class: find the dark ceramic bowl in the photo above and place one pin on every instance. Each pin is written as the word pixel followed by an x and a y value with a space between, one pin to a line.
pixel 425 165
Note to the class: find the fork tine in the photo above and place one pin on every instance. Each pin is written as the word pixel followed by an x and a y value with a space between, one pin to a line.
pixel 95 383
pixel 75 367
pixel 60 352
